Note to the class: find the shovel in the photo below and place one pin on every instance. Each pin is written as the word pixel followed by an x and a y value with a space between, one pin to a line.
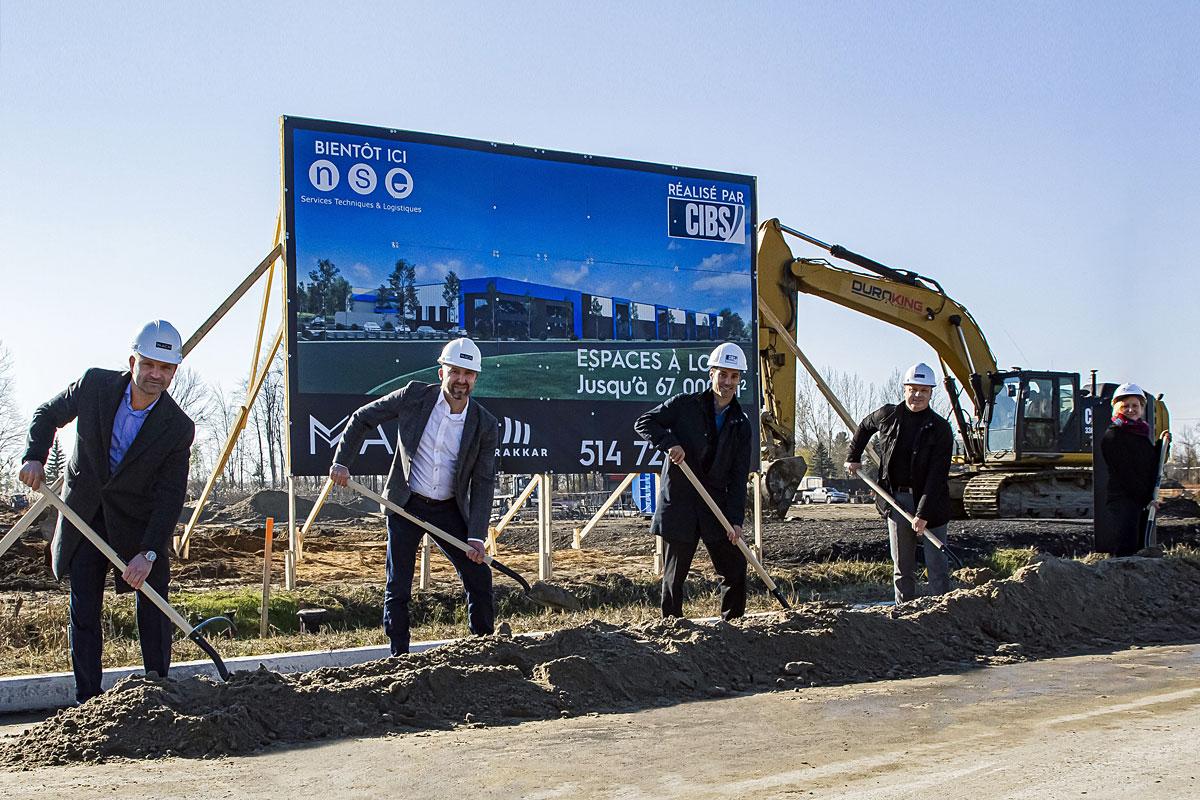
pixel 1164 449
pixel 190 632
pixel 745 548
pixel 24 522
pixel 938 543
pixel 540 592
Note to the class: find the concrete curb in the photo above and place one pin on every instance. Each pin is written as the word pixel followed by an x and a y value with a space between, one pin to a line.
pixel 25 693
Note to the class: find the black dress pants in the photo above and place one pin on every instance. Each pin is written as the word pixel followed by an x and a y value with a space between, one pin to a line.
pixel 1128 520
pixel 404 538
pixel 727 560
pixel 89 572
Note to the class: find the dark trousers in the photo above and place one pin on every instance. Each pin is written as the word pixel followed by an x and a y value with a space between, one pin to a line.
pixel 89 573
pixel 404 538
pixel 1128 521
pixel 727 560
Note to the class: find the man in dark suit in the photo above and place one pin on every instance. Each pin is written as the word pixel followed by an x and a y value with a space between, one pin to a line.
pixel 128 477
pixel 443 472
pixel 712 432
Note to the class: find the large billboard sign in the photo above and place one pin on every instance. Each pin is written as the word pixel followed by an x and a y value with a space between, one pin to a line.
pixel 594 287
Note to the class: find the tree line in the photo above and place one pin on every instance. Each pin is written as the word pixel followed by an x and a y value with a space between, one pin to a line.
pixel 327 291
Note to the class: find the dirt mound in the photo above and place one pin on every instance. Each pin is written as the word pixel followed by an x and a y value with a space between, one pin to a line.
pixel 274 503
pixel 1185 507
pixel 1051 608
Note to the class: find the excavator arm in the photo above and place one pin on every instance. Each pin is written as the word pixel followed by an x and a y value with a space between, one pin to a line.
pixel 905 299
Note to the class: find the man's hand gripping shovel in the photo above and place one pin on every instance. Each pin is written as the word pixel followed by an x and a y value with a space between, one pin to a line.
pixel 938 543
pixel 189 631
pixel 540 592
pixel 745 548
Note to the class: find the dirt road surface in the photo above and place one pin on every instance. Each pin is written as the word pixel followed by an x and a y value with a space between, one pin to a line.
pixel 1097 726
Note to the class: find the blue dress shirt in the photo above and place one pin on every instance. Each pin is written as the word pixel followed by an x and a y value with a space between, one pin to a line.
pixel 126 425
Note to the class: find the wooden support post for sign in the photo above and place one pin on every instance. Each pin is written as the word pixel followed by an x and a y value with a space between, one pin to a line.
pixel 658 555
pixel 230 443
pixel 268 538
pixel 424 580
pixel 293 550
pixel 316 509
pixel 581 533
pixel 757 481
pixel 495 532
pixel 545 519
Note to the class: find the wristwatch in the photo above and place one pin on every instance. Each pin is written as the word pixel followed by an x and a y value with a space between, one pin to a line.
pixel 150 556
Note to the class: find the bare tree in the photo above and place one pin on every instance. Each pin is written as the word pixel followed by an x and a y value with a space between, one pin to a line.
pixel 193 395
pixel 1184 465
pixel 12 425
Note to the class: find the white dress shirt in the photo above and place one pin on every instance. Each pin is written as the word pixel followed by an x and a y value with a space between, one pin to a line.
pixel 433 463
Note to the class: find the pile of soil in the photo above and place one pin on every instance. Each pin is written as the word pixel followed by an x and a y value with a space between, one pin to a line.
pixel 274 503
pixel 1052 608
pixel 1181 506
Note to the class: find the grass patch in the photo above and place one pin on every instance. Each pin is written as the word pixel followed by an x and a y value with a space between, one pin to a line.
pixel 1005 561
pixel 33 631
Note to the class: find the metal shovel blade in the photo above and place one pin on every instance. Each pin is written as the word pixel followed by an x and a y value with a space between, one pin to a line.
pixel 542 593
pixel 174 616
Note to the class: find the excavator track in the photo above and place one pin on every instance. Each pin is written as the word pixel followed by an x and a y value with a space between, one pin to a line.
pixel 1049 493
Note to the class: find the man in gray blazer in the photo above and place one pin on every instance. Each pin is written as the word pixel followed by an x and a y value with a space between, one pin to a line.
pixel 444 472
pixel 128 478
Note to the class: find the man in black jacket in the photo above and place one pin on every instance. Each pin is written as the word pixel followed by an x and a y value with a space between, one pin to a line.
pixel 128 478
pixel 916 445
pixel 710 429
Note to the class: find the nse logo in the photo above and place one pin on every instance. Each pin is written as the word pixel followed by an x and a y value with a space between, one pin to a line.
pixel 325 176
pixel 706 219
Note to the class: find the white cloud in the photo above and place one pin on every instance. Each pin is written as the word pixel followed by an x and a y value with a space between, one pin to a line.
pixel 725 280
pixel 361 275
pixel 719 261
pixel 570 276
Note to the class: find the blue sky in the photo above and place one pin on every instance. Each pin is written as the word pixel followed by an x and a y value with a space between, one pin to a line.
pixel 1039 160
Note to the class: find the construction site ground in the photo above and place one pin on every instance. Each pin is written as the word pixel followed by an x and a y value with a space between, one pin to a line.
pixel 1070 678
pixel 347 545
pixel 1113 725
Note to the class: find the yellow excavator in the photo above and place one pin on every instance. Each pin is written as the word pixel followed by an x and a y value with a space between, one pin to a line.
pixel 1026 437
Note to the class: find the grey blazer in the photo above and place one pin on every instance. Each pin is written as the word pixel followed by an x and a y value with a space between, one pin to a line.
pixel 475 470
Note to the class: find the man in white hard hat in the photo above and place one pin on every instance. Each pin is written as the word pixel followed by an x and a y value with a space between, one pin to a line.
pixel 712 432
pixel 128 478
pixel 915 449
pixel 444 472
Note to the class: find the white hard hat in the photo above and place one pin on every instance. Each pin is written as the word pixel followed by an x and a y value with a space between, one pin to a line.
pixel 727 356
pixel 159 340
pixel 462 353
pixel 1128 389
pixel 919 374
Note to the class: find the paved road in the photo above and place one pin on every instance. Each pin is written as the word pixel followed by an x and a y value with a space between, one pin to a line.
pixel 1102 726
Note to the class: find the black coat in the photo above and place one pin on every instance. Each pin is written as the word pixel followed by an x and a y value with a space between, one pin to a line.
pixel 720 461
pixel 1132 461
pixel 143 498
pixel 930 464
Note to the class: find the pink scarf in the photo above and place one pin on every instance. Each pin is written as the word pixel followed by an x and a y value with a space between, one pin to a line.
pixel 1138 426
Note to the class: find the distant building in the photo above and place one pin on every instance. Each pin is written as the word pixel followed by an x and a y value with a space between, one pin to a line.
pixel 503 308
pixel 363 305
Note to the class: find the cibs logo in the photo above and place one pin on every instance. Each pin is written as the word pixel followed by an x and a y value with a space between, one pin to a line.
pixel 706 219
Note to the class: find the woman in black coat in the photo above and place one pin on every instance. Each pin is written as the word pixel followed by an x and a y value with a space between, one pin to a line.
pixel 1132 460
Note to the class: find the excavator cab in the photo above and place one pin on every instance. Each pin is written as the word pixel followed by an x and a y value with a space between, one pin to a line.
pixel 1036 416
